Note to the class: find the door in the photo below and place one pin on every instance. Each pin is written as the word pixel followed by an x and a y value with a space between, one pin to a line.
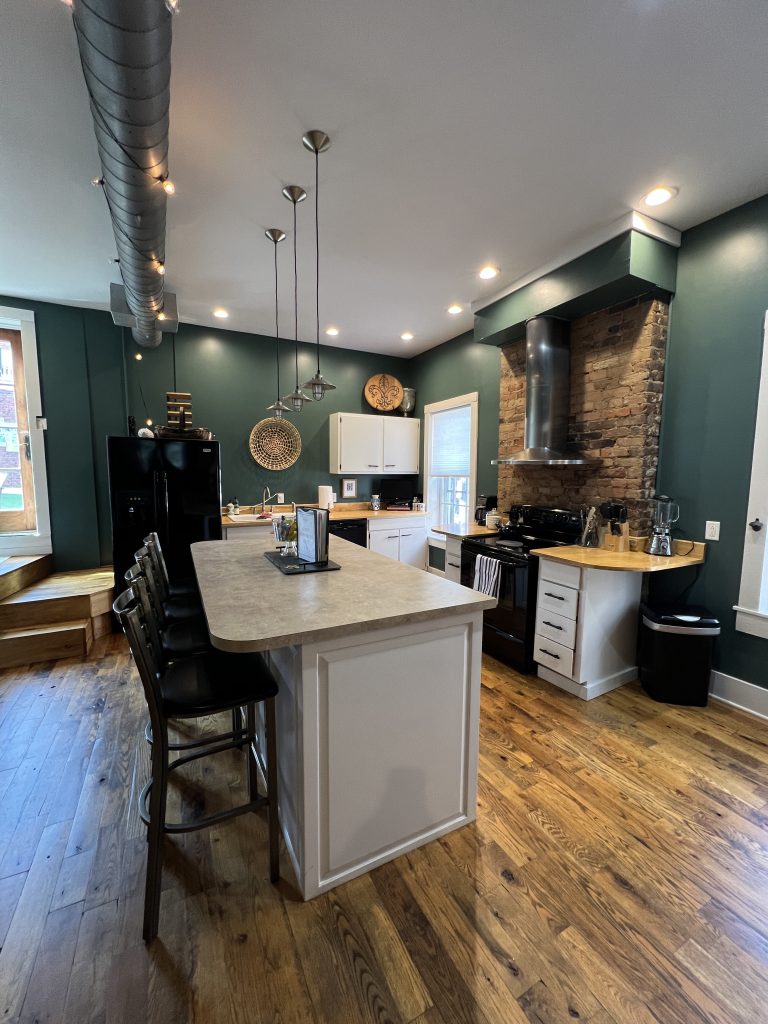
pixel 17 493
pixel 413 547
pixel 385 542
pixel 401 445
pixel 360 444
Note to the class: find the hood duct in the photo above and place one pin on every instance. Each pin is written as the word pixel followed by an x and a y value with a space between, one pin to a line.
pixel 547 397
pixel 125 52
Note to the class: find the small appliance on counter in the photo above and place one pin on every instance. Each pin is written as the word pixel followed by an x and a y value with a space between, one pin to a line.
pixel 483 506
pixel 397 492
pixel 666 513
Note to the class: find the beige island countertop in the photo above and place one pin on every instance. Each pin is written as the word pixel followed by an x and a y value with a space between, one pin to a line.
pixel 251 606
pixel 624 561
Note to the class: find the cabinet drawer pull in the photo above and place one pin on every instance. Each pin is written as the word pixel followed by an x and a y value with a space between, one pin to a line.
pixel 389 465
pixel 557 597
pixel 543 650
pixel 554 625
pixel 454 565
pixel 392 536
pixel 405 535
pixel 373 465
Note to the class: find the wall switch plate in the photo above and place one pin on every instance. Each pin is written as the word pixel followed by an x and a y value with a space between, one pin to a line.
pixel 280 498
pixel 711 530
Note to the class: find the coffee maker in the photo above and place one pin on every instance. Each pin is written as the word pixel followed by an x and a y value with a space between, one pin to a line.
pixel 665 514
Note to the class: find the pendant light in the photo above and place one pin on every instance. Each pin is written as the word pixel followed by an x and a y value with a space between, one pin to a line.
pixel 295 194
pixel 317 142
pixel 278 408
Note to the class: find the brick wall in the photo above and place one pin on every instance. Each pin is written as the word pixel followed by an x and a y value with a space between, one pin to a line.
pixel 617 379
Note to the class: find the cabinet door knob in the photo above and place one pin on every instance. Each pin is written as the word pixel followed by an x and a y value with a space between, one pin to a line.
pixel 756 525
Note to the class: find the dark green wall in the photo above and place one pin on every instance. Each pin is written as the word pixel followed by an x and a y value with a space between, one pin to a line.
pixel 456 368
pixel 232 380
pixel 709 410
pixel 81 379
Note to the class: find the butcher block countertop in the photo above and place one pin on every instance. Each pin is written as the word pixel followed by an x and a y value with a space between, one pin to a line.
pixel 624 561
pixel 338 514
pixel 473 530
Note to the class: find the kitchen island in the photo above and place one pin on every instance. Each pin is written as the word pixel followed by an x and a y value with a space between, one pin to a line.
pixel 378 712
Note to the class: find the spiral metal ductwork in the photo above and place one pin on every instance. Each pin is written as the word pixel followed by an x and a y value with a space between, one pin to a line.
pixel 125 52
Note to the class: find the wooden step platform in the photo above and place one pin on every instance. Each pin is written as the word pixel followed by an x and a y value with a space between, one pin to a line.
pixel 19 571
pixel 56 616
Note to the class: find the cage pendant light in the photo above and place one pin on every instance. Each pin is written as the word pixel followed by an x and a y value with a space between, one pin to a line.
pixel 317 142
pixel 278 408
pixel 296 399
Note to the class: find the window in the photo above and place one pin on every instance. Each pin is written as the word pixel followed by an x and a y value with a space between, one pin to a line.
pixel 24 517
pixel 450 460
pixel 752 609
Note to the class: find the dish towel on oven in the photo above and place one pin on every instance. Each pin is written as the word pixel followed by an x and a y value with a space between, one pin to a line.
pixel 487 575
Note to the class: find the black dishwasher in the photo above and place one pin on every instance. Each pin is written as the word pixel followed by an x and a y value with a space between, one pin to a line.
pixel 355 530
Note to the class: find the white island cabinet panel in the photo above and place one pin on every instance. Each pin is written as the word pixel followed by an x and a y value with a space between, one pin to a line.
pixel 401 445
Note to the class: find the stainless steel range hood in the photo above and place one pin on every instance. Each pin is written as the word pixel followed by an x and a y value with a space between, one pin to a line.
pixel 547 397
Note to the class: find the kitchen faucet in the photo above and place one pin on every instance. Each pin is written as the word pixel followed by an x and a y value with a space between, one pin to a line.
pixel 265 497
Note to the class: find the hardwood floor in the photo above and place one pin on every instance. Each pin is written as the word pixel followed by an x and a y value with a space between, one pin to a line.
pixel 617 874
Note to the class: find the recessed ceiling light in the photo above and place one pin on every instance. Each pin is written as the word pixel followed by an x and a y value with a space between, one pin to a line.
pixel 455 309
pixel 220 313
pixel 660 194
pixel 332 332
pixel 406 336
pixel 489 272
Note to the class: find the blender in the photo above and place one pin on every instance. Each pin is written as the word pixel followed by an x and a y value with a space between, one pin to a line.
pixel 665 514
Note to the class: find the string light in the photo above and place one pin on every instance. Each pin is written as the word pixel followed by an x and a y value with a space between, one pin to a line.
pixel 160 267
pixel 97 182
pixel 168 186
pixel 138 357
pixel 148 422
pixel 162 316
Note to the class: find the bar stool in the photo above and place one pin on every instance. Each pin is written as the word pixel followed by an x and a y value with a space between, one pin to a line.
pixel 173 590
pixel 170 609
pixel 192 688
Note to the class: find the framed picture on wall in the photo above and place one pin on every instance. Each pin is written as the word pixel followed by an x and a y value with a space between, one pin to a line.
pixel 349 488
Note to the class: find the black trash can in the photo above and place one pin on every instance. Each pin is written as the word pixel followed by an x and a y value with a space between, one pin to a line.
pixel 676 653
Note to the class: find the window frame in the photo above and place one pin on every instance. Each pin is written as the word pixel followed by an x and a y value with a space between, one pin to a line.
pixel 752 609
pixel 471 400
pixel 38 541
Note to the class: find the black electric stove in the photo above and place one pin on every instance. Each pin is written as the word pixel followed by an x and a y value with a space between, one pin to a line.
pixel 508 629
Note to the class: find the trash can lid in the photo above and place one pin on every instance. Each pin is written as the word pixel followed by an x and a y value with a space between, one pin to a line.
pixel 687 616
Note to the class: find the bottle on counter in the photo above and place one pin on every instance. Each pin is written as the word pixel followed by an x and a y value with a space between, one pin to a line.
pixel 236 509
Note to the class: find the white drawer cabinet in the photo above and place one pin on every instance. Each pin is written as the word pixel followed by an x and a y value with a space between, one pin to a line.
pixel 453 559
pixel 403 538
pixel 586 627
pixel 373 444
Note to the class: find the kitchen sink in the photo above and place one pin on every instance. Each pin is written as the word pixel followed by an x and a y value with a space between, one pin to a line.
pixel 249 518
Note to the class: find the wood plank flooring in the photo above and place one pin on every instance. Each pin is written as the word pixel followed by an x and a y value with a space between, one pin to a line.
pixel 617 874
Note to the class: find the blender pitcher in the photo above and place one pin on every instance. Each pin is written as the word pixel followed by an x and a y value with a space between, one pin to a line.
pixel 666 513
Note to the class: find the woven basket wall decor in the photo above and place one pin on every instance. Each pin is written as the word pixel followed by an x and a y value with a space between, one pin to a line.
pixel 275 444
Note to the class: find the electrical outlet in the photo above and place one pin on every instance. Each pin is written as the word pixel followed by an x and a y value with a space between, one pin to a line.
pixel 280 498
pixel 711 530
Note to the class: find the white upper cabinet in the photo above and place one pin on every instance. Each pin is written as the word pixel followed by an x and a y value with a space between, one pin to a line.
pixel 401 445
pixel 373 444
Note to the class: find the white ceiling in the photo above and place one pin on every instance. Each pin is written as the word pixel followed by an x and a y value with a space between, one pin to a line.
pixel 462 133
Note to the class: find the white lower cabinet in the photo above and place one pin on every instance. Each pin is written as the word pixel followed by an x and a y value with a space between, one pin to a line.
pixel 453 559
pixel 404 539
pixel 586 627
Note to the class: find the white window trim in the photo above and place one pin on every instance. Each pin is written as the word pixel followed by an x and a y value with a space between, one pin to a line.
pixel 435 407
pixel 31 542
pixel 752 609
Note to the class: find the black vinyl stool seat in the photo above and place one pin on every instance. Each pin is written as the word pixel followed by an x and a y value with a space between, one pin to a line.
pixel 178 609
pixel 191 688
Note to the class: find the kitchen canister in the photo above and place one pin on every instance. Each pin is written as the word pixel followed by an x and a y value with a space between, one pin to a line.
pixel 375 502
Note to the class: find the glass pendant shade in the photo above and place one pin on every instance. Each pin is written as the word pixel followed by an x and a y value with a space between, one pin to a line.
pixel 317 142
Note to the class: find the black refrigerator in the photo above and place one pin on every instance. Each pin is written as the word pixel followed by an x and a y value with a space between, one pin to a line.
pixel 172 487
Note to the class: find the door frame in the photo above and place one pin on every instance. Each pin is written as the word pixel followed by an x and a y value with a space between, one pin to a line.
pixel 30 542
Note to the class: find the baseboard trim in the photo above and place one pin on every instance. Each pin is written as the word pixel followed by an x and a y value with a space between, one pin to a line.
pixel 740 694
